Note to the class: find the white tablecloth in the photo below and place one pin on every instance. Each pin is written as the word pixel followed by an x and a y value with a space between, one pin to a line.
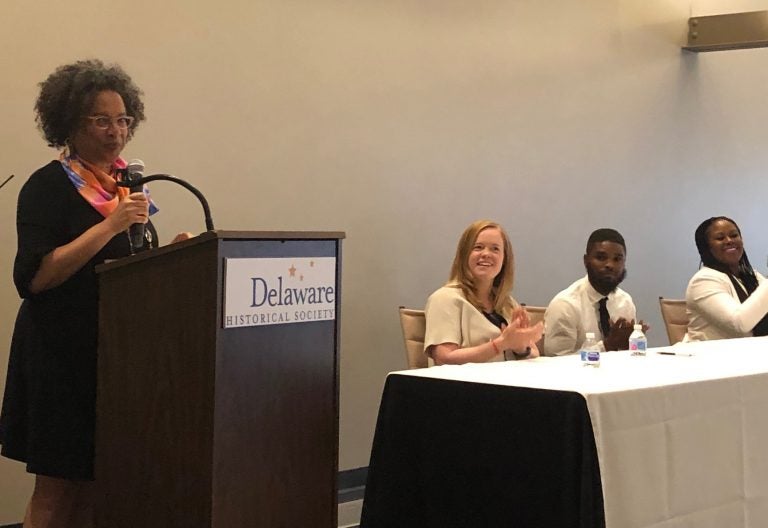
pixel 681 440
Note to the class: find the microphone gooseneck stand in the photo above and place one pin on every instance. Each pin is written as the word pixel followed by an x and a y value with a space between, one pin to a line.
pixel 189 187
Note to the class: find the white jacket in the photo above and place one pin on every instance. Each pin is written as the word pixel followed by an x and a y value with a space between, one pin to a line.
pixel 714 310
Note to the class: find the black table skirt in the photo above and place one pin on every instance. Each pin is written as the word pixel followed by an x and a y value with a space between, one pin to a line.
pixel 450 453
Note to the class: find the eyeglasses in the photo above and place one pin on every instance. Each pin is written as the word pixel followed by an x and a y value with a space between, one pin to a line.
pixel 103 122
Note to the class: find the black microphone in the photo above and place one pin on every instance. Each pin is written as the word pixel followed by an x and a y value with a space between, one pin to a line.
pixel 135 171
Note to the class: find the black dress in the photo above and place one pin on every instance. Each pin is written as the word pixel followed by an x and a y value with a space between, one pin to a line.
pixel 48 412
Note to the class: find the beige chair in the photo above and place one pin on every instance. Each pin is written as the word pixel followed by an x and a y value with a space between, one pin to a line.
pixel 536 314
pixel 414 325
pixel 675 318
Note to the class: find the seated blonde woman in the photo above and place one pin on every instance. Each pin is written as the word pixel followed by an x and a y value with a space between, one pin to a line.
pixel 473 318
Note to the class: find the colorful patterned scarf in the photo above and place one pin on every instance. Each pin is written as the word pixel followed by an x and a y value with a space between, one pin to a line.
pixel 97 187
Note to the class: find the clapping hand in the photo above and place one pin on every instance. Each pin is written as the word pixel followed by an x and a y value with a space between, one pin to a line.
pixel 618 337
pixel 517 337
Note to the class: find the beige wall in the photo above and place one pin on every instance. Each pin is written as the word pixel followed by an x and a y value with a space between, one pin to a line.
pixel 401 121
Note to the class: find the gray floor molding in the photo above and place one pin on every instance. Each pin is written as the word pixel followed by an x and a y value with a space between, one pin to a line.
pixel 351 490
pixel 351 484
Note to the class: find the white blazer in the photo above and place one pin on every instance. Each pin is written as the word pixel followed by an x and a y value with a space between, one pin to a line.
pixel 714 310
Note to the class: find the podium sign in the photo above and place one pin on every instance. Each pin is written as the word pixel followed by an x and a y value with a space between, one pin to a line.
pixel 265 291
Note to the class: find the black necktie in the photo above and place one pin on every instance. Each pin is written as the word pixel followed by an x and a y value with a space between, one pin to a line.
pixel 605 319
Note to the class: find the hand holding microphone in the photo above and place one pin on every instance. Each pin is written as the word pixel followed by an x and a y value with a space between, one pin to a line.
pixel 133 209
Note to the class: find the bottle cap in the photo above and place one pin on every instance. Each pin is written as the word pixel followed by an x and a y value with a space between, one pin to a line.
pixel 590 335
pixel 638 327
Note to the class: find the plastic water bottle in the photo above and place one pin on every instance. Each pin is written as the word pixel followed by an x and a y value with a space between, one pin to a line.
pixel 590 351
pixel 638 343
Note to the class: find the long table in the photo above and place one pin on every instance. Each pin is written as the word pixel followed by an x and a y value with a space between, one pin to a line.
pixel 661 441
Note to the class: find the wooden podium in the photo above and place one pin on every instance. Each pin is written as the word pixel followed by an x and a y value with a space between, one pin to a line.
pixel 199 425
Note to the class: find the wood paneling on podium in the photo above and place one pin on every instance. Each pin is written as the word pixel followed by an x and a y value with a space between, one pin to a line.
pixel 204 426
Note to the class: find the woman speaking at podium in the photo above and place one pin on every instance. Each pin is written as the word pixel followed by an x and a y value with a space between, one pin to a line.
pixel 71 216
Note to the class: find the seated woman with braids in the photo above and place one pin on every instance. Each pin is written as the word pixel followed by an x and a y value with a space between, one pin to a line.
pixel 726 298
pixel 473 318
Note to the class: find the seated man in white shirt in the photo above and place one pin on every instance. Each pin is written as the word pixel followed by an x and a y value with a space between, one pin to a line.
pixel 594 303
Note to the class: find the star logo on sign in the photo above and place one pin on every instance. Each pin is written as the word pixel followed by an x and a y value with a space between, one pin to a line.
pixel 292 270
